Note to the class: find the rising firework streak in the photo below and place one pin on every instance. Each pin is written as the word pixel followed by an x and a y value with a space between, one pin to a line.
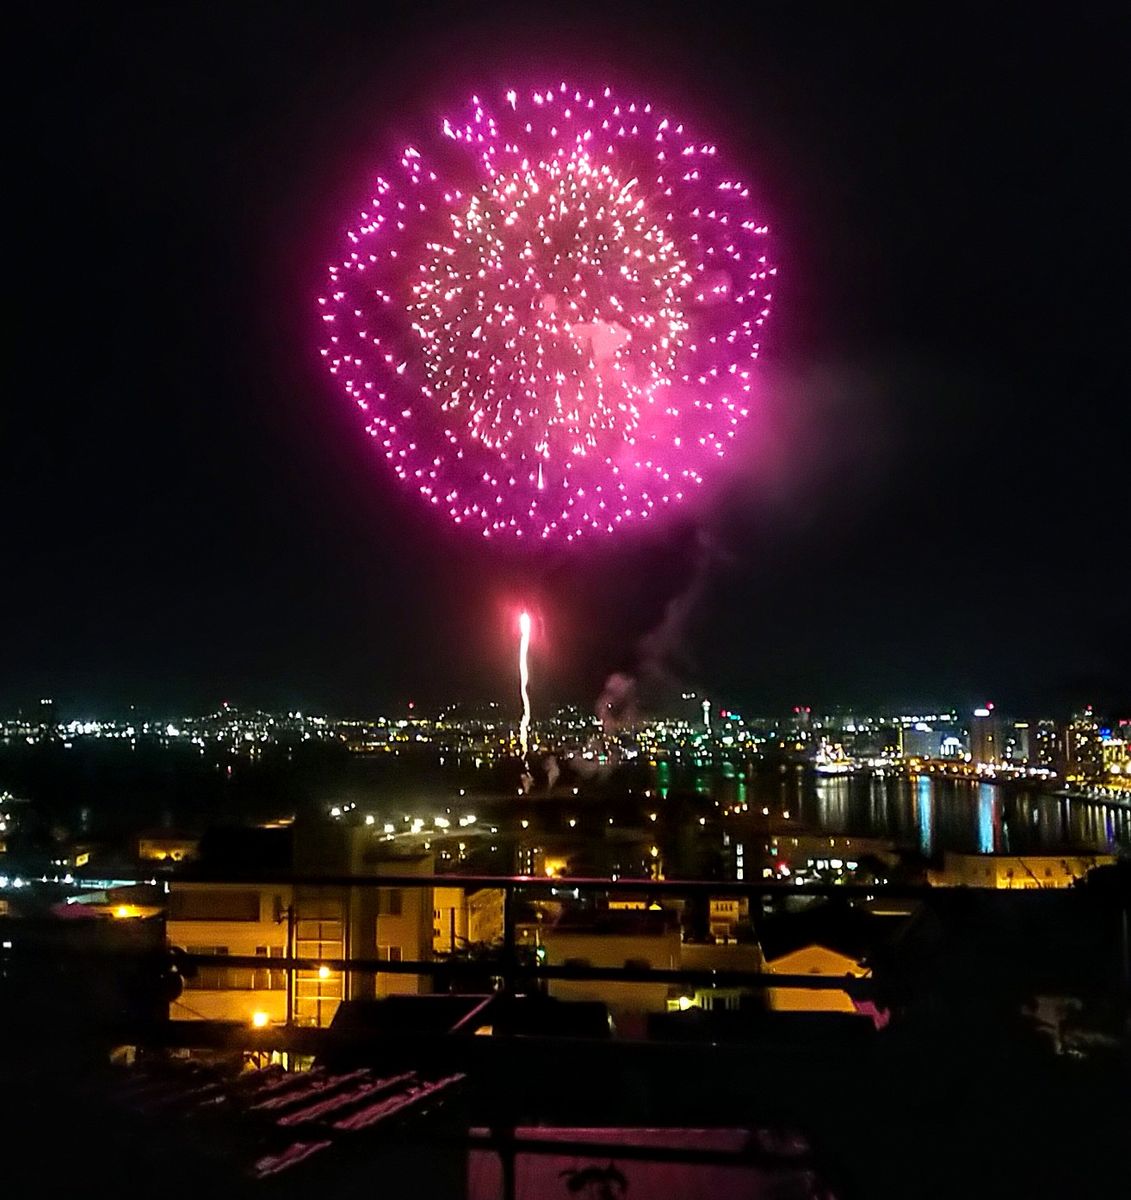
pixel 524 682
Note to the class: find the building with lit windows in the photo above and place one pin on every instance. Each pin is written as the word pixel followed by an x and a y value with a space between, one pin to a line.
pixel 919 741
pixel 1116 749
pixel 1017 748
pixel 727 916
pixel 986 736
pixel 313 921
pixel 231 920
pixel 1023 871
pixel 1083 748
pixel 1044 744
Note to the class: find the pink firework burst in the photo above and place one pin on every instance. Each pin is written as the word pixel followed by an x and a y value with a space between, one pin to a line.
pixel 548 316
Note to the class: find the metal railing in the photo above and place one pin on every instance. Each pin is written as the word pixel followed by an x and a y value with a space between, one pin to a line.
pixel 508 967
pixel 514 972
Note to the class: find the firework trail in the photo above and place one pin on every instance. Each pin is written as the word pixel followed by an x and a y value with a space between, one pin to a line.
pixel 548 312
pixel 524 682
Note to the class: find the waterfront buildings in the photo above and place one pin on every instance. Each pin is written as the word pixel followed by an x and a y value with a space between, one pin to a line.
pixel 485 737
pixel 1026 871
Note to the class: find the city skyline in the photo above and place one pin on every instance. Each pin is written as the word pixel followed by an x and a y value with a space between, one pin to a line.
pixel 549 710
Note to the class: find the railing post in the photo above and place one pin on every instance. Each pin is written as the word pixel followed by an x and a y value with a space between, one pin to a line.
pixel 290 970
pixel 1125 946
pixel 510 959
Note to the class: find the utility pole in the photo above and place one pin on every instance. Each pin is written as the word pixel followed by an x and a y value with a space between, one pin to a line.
pixel 290 970
pixel 288 915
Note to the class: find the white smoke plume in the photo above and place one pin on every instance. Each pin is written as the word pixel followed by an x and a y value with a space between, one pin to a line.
pixel 616 706
pixel 663 658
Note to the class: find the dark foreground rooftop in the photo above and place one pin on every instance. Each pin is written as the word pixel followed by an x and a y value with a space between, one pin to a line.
pixel 967 1092
pixel 882 1117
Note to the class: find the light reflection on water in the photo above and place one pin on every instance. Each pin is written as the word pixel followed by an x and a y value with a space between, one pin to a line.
pixel 924 804
pixel 928 813
pixel 987 843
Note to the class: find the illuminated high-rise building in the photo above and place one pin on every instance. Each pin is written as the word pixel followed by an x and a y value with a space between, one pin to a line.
pixel 47 719
pixel 1083 747
pixel 919 740
pixel 1044 744
pixel 1018 743
pixel 1116 748
pixel 986 741
pixel 800 725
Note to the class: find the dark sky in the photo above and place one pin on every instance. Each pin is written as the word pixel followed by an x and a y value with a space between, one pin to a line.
pixel 938 506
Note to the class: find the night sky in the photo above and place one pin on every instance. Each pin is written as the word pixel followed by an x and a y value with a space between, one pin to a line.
pixel 937 505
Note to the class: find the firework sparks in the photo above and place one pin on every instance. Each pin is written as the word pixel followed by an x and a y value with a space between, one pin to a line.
pixel 548 315
pixel 524 682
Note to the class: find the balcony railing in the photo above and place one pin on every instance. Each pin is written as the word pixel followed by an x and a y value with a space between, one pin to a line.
pixel 513 972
